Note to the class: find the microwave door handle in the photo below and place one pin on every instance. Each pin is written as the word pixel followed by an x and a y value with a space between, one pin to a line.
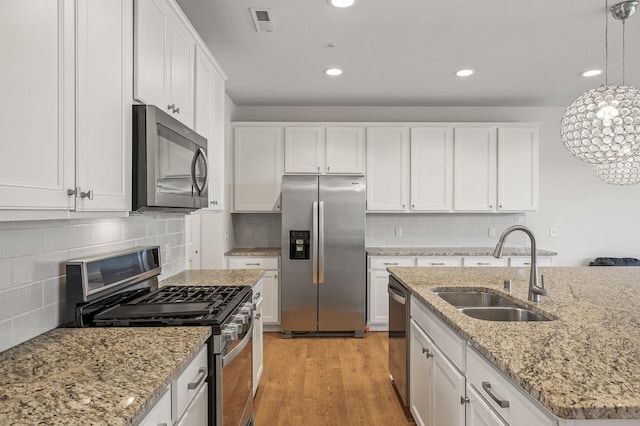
pixel 194 161
pixel 206 169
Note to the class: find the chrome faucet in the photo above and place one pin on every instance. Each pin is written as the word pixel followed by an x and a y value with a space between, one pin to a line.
pixel 535 291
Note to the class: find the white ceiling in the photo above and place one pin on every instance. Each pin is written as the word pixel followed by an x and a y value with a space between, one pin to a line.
pixel 404 52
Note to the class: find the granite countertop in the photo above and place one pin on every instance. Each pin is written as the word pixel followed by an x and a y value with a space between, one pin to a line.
pixel 215 277
pixel 254 251
pixel 93 375
pixel 583 365
pixel 452 251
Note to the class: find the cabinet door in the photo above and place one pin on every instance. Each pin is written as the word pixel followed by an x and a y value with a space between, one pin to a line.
pixel 345 150
pixel 152 27
pixel 104 93
pixel 271 295
pixel 378 297
pixel 517 169
pixel 478 412
pixel 257 349
pixel 37 109
pixel 161 412
pixel 181 72
pixel 198 412
pixel 258 168
pixel 448 392
pixel 431 168
pixel 387 169
pixel 421 389
pixel 304 150
pixel 475 169
pixel 209 122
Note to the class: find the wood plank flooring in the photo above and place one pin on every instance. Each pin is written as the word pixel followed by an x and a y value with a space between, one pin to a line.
pixel 327 381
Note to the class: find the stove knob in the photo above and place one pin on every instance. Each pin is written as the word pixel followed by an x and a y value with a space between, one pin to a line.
pixel 230 332
pixel 241 318
pixel 246 310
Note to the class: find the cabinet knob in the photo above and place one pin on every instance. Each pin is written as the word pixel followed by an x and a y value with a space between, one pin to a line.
pixel 500 206
pixel 490 206
pixel 177 110
pixel 75 191
pixel 328 168
pixel 403 206
pixel 213 202
pixel 88 194
pixel 171 107
pixel 464 400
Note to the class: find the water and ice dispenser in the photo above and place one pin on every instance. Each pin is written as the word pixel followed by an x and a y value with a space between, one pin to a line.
pixel 299 245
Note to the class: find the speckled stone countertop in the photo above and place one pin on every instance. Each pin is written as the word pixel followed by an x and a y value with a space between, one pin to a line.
pixel 255 251
pixel 215 277
pixel 451 251
pixel 585 364
pixel 83 376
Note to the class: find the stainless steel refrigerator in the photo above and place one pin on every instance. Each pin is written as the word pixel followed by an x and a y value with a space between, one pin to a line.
pixel 323 255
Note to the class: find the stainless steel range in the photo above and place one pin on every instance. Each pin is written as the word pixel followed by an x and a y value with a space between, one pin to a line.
pixel 121 290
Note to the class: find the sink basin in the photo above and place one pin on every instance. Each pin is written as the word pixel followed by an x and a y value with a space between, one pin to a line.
pixel 504 314
pixel 489 306
pixel 462 299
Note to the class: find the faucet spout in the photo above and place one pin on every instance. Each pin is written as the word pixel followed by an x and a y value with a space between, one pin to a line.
pixel 535 291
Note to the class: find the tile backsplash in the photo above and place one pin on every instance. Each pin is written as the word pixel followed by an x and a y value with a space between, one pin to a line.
pixel 33 257
pixel 418 230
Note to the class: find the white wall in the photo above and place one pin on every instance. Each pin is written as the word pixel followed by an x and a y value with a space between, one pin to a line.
pixel 33 255
pixel 592 218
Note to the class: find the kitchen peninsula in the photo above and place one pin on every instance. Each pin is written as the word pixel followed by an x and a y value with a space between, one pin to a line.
pixel 584 364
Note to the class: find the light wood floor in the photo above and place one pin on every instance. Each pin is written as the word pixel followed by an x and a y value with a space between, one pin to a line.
pixel 327 381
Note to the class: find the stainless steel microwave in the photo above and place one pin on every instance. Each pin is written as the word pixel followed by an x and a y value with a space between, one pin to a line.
pixel 170 167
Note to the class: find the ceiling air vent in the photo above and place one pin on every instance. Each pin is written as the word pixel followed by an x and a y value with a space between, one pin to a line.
pixel 263 20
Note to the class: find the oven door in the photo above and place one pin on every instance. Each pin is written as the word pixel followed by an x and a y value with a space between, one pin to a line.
pixel 234 405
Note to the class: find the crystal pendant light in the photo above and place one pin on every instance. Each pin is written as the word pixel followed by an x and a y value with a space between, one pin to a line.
pixel 603 124
pixel 625 172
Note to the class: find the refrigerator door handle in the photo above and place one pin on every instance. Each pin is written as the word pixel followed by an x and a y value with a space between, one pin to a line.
pixel 314 244
pixel 321 244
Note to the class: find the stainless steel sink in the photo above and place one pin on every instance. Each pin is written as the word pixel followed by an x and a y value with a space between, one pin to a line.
pixel 489 306
pixel 461 299
pixel 504 314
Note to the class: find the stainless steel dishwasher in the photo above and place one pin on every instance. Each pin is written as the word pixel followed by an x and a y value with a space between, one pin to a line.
pixel 398 343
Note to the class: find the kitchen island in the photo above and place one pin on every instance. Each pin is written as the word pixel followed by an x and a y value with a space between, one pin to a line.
pixel 81 376
pixel 585 364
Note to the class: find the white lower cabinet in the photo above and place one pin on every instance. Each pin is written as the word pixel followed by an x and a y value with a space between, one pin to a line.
pixel 258 351
pixel 197 413
pixel 478 412
pixel 161 412
pixel 436 387
pixel 452 384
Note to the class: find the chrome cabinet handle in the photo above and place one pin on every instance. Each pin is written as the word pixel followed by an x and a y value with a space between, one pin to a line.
pixel 483 263
pixel 437 263
pixel 487 388
pixel 88 194
pixel 390 263
pixel 252 264
pixel 213 202
pixel 202 371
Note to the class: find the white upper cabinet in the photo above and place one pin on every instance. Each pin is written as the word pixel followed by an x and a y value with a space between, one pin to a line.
pixel 324 150
pixel 76 59
pixel 518 169
pixel 345 150
pixel 37 109
pixel 431 168
pixel 104 95
pixel 258 169
pixel 387 169
pixel 475 169
pixel 165 59
pixel 304 150
pixel 209 122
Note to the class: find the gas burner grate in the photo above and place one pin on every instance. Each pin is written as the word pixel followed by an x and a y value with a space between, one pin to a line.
pixel 217 296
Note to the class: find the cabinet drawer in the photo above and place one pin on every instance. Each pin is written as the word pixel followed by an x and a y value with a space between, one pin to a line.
pixel 161 412
pixel 439 261
pixel 252 262
pixel 483 261
pixel 444 337
pixel 526 261
pixel 493 386
pixel 384 262
pixel 189 382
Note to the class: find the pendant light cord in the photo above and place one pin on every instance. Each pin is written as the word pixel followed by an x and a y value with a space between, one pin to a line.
pixel 606 43
pixel 623 49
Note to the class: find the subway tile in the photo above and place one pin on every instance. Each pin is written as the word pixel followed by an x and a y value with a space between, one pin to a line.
pixel 134 230
pixel 28 269
pixel 175 225
pixel 20 300
pixel 98 250
pixel 408 219
pixel 5 335
pixel 156 227
pixel 20 242
pixel 5 275
pixel 106 232
pixel 149 241
pixel 61 238
pixel 54 290
pixel 163 240
pixel 31 324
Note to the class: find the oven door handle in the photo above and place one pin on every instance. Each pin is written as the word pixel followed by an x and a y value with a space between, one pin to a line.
pixel 229 357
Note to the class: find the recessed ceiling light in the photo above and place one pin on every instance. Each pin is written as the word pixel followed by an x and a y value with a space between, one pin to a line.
pixel 342 3
pixel 591 73
pixel 464 73
pixel 333 71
